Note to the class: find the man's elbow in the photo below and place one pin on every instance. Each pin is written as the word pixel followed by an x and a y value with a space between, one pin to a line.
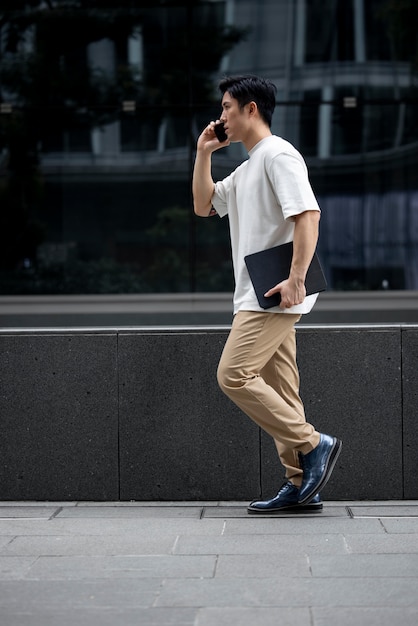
pixel 202 211
pixel 309 216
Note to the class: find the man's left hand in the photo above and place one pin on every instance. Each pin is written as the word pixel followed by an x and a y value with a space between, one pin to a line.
pixel 291 293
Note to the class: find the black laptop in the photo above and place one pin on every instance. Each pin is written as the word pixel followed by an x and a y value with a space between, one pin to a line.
pixel 269 267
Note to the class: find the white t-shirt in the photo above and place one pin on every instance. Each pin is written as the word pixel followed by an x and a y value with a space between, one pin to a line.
pixel 260 198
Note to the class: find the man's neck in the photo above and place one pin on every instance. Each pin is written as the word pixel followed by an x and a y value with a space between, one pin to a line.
pixel 255 137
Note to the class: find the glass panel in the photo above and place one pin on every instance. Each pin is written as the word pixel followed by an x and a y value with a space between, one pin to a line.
pixel 377 27
pixel 347 124
pixel 408 112
pixel 308 123
pixel 96 191
pixel 101 106
pixel 381 118
pixel 329 31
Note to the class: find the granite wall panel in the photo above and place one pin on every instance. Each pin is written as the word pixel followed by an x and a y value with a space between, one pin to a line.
pixel 132 414
pixel 351 388
pixel 410 408
pixel 58 408
pixel 180 437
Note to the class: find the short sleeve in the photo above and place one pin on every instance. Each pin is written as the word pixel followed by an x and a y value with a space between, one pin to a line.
pixel 221 195
pixel 289 177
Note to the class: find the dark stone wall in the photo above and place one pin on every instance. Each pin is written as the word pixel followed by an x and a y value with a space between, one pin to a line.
pixel 59 417
pixel 351 384
pixel 136 414
pixel 410 411
pixel 180 438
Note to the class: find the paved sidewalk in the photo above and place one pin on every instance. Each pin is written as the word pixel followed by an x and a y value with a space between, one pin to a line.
pixel 207 564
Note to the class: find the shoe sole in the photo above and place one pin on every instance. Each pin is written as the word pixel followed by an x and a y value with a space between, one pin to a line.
pixel 294 508
pixel 332 459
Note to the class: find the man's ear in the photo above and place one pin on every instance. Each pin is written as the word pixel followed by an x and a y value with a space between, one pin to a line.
pixel 252 108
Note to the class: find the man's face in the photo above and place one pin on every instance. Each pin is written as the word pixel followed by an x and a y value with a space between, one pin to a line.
pixel 233 117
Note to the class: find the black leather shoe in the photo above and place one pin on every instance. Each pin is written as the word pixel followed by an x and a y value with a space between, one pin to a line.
pixel 317 467
pixel 286 500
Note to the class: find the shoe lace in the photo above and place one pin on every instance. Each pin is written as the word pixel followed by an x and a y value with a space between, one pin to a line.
pixel 285 487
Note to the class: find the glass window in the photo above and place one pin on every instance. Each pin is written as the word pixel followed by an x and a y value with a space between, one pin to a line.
pixel 96 190
pixel 101 105
pixel 329 31
pixel 377 29
pixel 308 123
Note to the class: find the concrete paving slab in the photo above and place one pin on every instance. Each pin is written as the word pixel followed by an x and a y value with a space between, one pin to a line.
pixel 111 526
pixel 250 616
pixel 15 567
pixel 37 503
pixel 403 525
pixel 361 504
pixel 236 512
pixel 372 616
pixel 143 511
pixel 89 545
pixel 370 565
pixel 303 525
pixel 390 510
pixel 37 512
pixel 105 617
pixel 56 595
pixel 121 567
pixel 261 566
pixel 234 504
pixel 5 540
pixel 152 503
pixel 161 564
pixel 262 544
pixel 264 592
pixel 382 544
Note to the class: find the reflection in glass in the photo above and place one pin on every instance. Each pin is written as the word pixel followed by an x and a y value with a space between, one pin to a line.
pixel 101 104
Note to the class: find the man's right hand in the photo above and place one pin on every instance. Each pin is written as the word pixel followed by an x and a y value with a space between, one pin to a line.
pixel 208 141
pixel 203 185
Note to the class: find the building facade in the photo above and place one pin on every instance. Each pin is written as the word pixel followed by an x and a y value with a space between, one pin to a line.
pixel 101 106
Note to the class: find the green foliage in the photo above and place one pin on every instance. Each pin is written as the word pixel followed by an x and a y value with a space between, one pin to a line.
pixel 167 267
pixel 53 89
pixel 76 277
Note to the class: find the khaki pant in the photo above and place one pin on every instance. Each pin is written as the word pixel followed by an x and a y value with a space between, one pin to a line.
pixel 259 373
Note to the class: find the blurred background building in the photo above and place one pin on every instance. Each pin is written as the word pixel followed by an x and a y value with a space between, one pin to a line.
pixel 101 104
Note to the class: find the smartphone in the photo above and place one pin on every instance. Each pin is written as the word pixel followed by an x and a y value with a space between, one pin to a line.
pixel 220 132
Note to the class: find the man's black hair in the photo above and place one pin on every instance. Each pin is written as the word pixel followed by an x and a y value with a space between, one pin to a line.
pixel 250 88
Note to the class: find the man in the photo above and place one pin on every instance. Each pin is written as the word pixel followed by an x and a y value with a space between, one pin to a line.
pixel 269 201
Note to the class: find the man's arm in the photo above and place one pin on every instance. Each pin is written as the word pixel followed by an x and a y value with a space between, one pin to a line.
pixel 202 185
pixel 292 290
